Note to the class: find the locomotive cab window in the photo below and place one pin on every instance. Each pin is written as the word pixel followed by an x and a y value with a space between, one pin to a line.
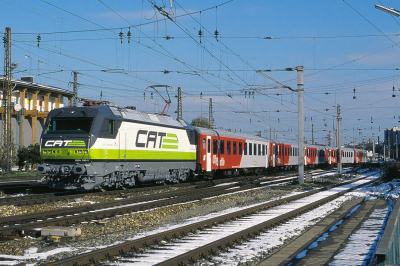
pixel 111 126
pixel 250 149
pixel 228 147
pixel 259 149
pixel 69 125
pixel 255 149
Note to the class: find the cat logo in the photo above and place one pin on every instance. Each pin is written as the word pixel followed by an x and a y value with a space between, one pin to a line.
pixel 65 143
pixel 153 139
pixel 59 143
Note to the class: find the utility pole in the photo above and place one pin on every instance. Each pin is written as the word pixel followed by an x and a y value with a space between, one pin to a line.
pixel 339 140
pixel 312 134
pixel 300 91
pixel 75 101
pixel 333 131
pixel 373 146
pixel 6 104
pixel 179 111
pixel 210 114
pixel 384 152
pixel 329 138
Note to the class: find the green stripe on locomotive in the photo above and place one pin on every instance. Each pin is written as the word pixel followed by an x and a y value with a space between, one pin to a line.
pixel 100 154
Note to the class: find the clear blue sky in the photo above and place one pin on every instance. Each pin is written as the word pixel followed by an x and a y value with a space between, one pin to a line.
pixel 343 45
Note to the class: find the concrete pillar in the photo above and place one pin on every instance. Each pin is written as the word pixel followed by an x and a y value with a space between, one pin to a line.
pixel 34 116
pixel 22 128
pixel 46 102
pixel 58 100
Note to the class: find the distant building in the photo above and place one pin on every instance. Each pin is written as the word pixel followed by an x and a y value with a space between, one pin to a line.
pixel 392 137
pixel 31 103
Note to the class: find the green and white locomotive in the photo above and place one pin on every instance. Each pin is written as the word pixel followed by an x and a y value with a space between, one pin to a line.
pixel 94 147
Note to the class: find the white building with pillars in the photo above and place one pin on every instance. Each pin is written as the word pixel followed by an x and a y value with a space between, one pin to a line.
pixel 31 105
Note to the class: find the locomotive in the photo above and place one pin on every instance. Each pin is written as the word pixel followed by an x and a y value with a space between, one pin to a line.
pixel 96 147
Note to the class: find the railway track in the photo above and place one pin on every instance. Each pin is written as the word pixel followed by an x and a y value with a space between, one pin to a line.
pixel 24 224
pixel 210 236
pixel 27 200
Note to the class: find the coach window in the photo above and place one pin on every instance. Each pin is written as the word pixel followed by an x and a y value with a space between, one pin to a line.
pixel 222 147
pixel 245 149
pixel 263 150
pixel 240 148
pixel 234 148
pixel 250 149
pixel 204 143
pixel 215 146
pixel 228 147
pixel 255 149
pixel 259 149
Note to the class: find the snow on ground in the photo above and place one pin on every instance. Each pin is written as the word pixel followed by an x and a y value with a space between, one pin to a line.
pixel 362 245
pixel 31 253
pixel 269 241
pixel 255 248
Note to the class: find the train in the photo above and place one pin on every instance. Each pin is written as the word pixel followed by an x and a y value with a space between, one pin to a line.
pixel 104 146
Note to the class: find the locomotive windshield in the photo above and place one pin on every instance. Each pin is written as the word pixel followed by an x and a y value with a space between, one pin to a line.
pixel 69 125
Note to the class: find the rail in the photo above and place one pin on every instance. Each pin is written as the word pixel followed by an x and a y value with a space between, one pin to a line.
pixel 388 251
pixel 137 244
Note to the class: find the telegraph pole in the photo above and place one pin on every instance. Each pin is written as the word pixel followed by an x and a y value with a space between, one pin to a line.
pixel 333 131
pixel 210 114
pixel 300 90
pixel 373 146
pixel 312 134
pixel 339 140
pixel 6 104
pixel 75 101
pixel 179 111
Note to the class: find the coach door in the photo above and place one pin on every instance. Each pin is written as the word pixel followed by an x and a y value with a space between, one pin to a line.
pixel 273 154
pixel 208 163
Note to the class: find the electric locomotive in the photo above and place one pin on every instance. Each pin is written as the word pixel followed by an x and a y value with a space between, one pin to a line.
pixel 104 146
